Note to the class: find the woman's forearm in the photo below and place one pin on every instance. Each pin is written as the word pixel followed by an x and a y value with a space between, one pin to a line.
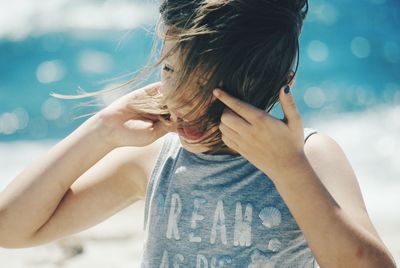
pixel 334 237
pixel 32 197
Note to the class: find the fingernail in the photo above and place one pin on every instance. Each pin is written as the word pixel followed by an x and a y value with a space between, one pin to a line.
pixel 287 89
pixel 216 92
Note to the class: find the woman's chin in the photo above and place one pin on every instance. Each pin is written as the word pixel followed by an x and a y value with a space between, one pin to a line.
pixel 195 148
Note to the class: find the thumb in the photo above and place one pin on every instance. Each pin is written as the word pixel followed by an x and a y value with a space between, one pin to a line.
pixel 135 124
pixel 289 107
pixel 160 129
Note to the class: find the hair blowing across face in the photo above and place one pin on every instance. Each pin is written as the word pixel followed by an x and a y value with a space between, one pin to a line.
pixel 249 48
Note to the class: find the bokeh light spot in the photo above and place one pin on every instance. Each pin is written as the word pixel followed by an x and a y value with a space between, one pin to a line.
pixel 314 97
pixel 325 13
pixel 8 123
pixel 50 71
pixel 317 51
pixel 52 109
pixel 389 92
pixel 95 62
pixel 360 47
pixel 23 117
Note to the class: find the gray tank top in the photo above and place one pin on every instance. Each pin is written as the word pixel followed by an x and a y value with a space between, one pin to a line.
pixel 217 211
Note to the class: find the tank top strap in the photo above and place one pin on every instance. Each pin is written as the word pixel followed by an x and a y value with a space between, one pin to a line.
pixel 308 132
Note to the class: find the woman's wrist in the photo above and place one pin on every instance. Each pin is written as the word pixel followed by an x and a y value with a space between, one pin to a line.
pixel 98 132
pixel 289 169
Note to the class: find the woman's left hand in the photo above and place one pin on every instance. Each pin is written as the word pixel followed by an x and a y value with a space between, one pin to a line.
pixel 272 145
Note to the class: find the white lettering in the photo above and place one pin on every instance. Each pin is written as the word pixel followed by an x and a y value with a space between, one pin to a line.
pixel 242 233
pixel 165 260
pixel 213 262
pixel 196 217
pixel 174 214
pixel 219 216
pixel 201 261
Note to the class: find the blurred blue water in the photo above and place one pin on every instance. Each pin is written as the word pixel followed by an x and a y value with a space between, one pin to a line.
pixel 20 74
pixel 350 60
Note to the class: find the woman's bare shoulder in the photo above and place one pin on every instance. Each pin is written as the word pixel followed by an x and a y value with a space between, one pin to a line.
pixel 336 173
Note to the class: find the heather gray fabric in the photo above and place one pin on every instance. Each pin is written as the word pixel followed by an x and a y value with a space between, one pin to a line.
pixel 217 211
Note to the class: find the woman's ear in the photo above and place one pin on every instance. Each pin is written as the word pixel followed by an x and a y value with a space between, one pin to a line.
pixel 291 79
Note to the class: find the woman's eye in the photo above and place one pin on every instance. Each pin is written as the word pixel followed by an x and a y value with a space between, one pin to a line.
pixel 167 68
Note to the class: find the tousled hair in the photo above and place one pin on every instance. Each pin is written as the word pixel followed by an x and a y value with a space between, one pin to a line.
pixel 249 48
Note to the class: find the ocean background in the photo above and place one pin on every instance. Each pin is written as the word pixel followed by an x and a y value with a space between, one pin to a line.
pixel 348 86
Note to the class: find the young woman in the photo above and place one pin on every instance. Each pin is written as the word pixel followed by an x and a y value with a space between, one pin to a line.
pixel 230 185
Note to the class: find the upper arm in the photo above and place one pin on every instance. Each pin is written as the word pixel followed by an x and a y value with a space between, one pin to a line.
pixel 113 183
pixel 336 174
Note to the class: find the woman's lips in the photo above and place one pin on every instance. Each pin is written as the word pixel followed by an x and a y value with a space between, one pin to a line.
pixel 190 133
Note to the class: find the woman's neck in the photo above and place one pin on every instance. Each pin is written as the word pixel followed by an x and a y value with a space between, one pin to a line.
pixel 224 151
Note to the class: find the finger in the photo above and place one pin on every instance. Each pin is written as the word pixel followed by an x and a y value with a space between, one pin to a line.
pixel 230 142
pixel 142 124
pixel 149 116
pixel 153 89
pixel 135 115
pixel 234 121
pixel 229 132
pixel 144 93
pixel 160 129
pixel 245 110
pixel 289 107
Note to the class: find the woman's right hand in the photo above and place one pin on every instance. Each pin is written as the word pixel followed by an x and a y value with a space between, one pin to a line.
pixel 28 217
pixel 123 124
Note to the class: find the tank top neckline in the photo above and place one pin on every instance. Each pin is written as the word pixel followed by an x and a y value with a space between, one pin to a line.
pixel 212 157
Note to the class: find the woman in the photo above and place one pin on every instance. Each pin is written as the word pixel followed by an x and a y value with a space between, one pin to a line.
pixel 234 187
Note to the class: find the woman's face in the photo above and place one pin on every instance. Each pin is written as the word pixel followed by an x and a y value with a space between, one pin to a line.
pixel 179 113
pixel 187 135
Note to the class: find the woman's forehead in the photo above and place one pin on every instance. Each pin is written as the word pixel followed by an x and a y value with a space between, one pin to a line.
pixel 173 58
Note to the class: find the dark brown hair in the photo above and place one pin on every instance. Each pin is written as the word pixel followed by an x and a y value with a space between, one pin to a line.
pixel 249 48
pixel 246 47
